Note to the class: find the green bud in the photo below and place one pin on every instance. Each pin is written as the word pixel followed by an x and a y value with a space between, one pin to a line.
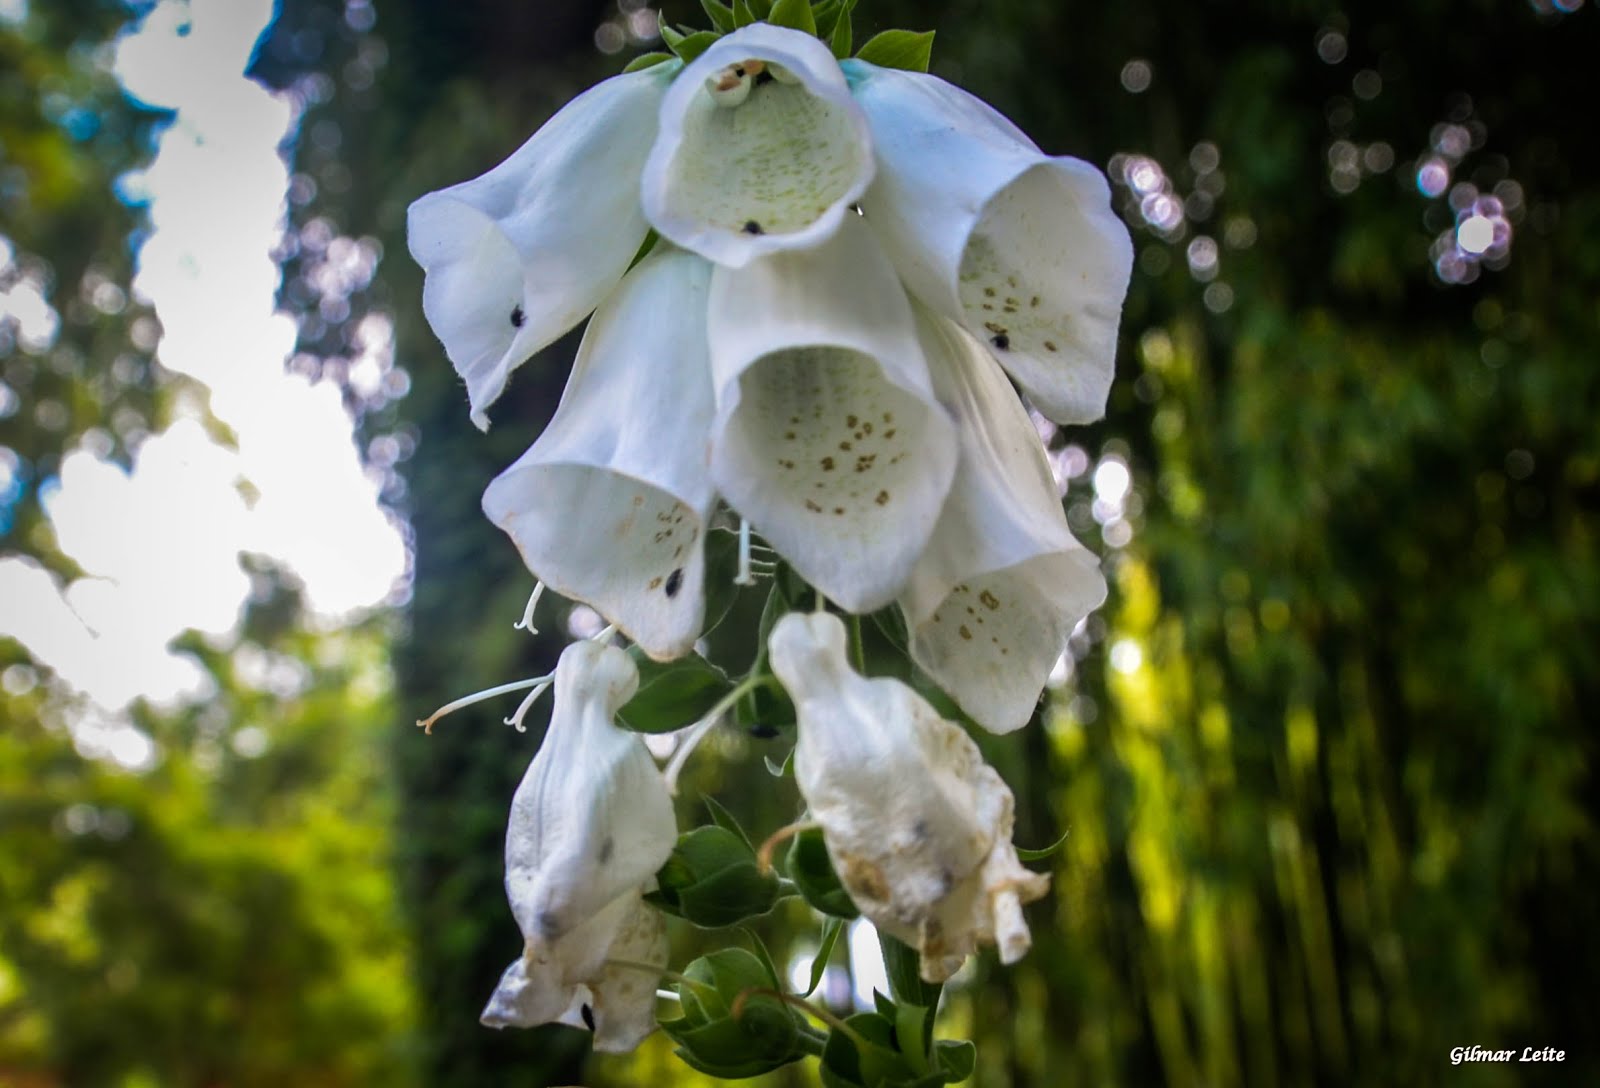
pixel 712 879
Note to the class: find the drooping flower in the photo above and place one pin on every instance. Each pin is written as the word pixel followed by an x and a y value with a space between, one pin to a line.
pixel 590 825
pixel 611 505
pixel 1021 248
pixel 760 148
pixel 917 825
pixel 1002 582
pixel 518 256
pixel 828 436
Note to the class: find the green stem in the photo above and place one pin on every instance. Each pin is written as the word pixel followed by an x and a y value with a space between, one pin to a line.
pixel 804 1006
pixel 858 650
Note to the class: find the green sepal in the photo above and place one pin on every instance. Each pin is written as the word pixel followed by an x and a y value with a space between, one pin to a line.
pixel 725 819
pixel 904 49
pixel 761 8
pixel 692 46
pixel 903 965
pixel 808 865
pixel 842 35
pixel 639 64
pixel 795 14
pixel 669 36
pixel 819 966
pixel 742 15
pixel 1044 852
pixel 720 14
pixel 672 694
pixel 825 13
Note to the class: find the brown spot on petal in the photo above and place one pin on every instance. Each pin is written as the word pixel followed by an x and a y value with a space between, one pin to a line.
pixel 990 601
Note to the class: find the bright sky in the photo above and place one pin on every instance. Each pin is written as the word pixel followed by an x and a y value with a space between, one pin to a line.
pixel 162 545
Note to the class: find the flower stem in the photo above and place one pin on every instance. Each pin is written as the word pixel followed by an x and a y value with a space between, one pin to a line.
pixel 858 650
pixel 698 731
pixel 764 854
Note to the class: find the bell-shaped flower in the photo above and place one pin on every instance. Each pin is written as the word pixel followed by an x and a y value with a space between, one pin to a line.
pixel 1021 248
pixel 917 825
pixel 1002 582
pixel 760 148
pixel 828 436
pixel 518 256
pixel 610 506
pixel 590 824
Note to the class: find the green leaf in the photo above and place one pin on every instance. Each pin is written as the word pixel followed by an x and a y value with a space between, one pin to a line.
pixel 742 15
pixel 720 14
pixel 672 694
pixel 1041 854
pixel 912 1033
pixel 639 64
pixel 726 820
pixel 905 49
pixel 957 1059
pixel 904 968
pixel 669 37
pixel 761 8
pixel 763 956
pixel 811 870
pixel 819 966
pixel 843 35
pixel 795 14
pixel 825 13
pixel 692 46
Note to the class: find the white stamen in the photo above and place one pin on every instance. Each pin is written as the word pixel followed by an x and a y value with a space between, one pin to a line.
pixel 604 634
pixel 526 622
pixel 426 724
pixel 744 577
pixel 515 721
pixel 668 995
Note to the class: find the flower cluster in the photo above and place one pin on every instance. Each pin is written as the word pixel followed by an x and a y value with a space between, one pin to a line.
pixel 816 286
pixel 851 260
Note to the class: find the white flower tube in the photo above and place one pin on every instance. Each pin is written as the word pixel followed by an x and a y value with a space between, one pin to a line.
pixel 828 437
pixel 518 256
pixel 917 825
pixel 1022 248
pixel 1003 582
pixel 590 825
pixel 610 506
pixel 746 164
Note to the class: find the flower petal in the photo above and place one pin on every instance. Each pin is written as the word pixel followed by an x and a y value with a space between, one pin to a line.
pixel 917 825
pixel 547 983
pixel 827 436
pixel 518 256
pixel 624 998
pixel 777 171
pixel 1022 248
pixel 610 505
pixel 592 819
pixel 1003 582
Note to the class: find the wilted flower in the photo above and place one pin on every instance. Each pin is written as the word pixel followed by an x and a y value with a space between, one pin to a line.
pixel 590 825
pixel 918 826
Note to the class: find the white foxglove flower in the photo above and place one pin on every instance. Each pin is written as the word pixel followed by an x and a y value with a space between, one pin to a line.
pixel 518 256
pixel 1022 248
pixel 1003 582
pixel 917 825
pixel 590 825
pixel 744 165
pixel 828 436
pixel 610 506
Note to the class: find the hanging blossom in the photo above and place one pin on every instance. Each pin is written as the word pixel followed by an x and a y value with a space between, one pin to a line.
pixel 917 825
pixel 831 375
pixel 590 825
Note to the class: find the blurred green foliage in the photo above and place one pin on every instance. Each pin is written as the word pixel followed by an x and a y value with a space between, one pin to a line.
pixel 1334 817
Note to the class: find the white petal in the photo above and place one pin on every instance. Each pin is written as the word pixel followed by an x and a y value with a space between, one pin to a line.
pixel 828 437
pixel 1002 583
pixel 1022 248
pixel 624 998
pixel 610 505
pixel 592 819
pixel 518 256
pixel 546 984
pixel 778 171
pixel 917 825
